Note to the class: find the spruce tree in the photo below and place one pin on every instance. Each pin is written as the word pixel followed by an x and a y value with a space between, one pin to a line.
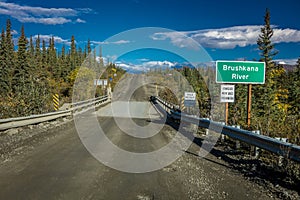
pixel 73 53
pixel 22 71
pixel 62 63
pixel 101 62
pixel 89 46
pixel 22 77
pixel 8 57
pixel 264 42
pixel 7 67
pixel 44 55
pixel 54 68
pixel 9 46
pixel 269 100
pixel 262 94
pixel 31 56
pixel 294 89
pixel 4 69
pixel 37 53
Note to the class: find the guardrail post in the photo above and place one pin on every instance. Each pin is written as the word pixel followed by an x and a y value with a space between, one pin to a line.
pixel 109 93
pixel 222 135
pixel 281 158
pixel 253 148
pixel 280 161
pixel 206 130
pixel 237 142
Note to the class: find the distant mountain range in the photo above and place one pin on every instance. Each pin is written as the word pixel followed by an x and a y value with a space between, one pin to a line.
pixel 289 67
pixel 136 69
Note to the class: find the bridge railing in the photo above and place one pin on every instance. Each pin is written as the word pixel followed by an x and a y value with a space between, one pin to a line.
pixel 75 108
pixel 278 147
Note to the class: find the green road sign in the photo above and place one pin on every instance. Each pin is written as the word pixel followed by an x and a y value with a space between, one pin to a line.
pixel 245 72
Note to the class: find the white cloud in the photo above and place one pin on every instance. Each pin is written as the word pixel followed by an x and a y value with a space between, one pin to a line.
pixel 38 11
pixel 179 39
pixel 80 21
pixel 132 68
pixel 57 39
pixel 143 59
pixel 49 16
pixel 145 66
pixel 121 42
pixel 158 64
pixel 286 35
pixel 227 38
pixel 85 10
pixel 106 42
pixel 49 21
pixel 106 59
pixel 14 32
pixel 98 58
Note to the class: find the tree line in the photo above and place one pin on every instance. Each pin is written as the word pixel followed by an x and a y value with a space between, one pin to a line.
pixel 33 70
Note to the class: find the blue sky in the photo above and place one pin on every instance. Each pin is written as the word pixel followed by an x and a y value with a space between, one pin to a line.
pixel 227 30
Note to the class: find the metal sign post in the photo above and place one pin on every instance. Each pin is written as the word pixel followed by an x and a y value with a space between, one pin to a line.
pixel 226 113
pixel 249 105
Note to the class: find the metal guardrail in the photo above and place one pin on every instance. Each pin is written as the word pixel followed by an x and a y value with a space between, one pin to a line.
pixel 281 148
pixel 87 103
pixel 34 119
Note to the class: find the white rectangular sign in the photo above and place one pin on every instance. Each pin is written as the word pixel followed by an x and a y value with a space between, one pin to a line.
pixel 227 93
pixel 105 82
pixel 95 81
pixel 101 82
pixel 191 96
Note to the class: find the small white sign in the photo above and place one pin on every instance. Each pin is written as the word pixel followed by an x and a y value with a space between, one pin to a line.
pixel 191 96
pixel 227 93
pixel 105 82
pixel 99 82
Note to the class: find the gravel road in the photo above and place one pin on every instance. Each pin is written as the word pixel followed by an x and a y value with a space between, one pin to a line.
pixel 52 163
